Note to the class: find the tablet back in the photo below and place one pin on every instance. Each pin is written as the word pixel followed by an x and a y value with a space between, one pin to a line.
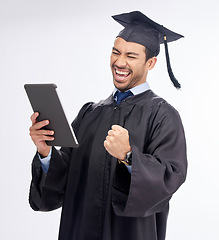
pixel 44 99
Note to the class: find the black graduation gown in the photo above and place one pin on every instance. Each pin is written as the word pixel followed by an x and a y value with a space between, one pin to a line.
pixel 100 199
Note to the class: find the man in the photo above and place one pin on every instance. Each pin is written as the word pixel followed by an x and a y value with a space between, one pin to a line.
pixel 132 154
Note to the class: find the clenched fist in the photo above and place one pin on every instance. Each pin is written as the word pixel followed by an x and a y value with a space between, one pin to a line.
pixel 117 142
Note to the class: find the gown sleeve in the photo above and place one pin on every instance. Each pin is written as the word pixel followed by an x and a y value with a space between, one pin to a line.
pixel 157 171
pixel 47 189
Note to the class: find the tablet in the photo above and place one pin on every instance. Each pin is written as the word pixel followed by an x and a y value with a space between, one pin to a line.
pixel 44 99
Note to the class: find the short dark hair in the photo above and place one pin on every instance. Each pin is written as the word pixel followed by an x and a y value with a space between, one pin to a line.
pixel 149 54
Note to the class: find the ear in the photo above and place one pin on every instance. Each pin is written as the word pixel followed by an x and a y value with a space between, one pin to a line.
pixel 151 63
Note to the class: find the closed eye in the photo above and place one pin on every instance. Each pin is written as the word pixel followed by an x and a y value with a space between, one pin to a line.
pixel 115 53
pixel 132 57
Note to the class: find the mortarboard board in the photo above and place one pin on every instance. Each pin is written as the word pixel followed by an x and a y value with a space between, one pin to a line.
pixel 142 30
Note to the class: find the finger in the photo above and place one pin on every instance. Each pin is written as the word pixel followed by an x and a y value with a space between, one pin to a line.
pixel 108 138
pixel 40 125
pixel 34 117
pixel 119 130
pixel 111 132
pixel 43 132
pixel 117 127
pixel 41 138
pixel 106 145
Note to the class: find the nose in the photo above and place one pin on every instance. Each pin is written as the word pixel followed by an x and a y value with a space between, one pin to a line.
pixel 121 61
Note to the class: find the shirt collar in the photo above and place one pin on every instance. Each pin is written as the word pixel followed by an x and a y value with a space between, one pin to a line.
pixel 136 90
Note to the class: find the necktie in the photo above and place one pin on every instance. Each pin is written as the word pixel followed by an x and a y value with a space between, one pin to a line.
pixel 120 96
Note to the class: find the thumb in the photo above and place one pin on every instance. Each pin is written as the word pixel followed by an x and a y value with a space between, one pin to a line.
pixel 34 117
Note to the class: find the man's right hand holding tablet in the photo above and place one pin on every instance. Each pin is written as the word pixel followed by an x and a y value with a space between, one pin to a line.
pixel 39 136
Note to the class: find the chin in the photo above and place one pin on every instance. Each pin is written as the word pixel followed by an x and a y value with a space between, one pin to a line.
pixel 120 86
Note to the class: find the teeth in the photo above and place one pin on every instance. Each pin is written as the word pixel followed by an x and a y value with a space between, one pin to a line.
pixel 122 73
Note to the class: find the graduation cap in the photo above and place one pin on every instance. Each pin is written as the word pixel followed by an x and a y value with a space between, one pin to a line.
pixel 141 29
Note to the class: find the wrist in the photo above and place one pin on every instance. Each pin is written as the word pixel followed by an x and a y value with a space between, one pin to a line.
pixel 129 149
pixel 45 152
pixel 127 160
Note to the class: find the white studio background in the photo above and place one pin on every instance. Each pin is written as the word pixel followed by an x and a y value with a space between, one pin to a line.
pixel 69 43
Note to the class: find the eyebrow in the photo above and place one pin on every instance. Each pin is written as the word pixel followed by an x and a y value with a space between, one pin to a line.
pixel 116 49
pixel 128 53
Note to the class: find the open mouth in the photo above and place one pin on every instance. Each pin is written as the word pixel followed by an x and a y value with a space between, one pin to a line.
pixel 121 75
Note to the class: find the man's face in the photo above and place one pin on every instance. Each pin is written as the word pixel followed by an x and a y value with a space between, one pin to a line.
pixel 128 64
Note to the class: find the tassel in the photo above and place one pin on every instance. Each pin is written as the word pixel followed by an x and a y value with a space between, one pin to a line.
pixel 172 78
